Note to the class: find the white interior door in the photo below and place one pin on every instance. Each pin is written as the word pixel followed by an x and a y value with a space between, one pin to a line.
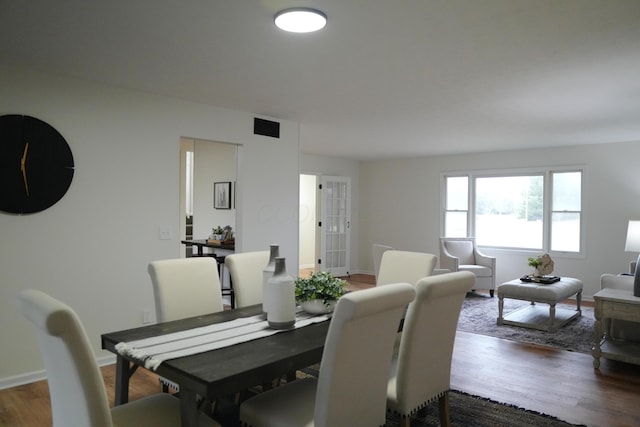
pixel 335 225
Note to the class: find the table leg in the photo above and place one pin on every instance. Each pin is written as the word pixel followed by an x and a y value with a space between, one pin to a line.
pixel 552 316
pixel 189 412
pixel 578 299
pixel 122 381
pixel 500 308
pixel 596 352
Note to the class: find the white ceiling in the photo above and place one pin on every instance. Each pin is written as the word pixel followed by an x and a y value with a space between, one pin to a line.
pixel 383 79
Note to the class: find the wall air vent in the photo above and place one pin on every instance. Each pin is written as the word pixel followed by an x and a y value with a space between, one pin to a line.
pixel 266 128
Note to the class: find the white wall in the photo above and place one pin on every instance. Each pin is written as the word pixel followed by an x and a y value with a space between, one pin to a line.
pixel 213 162
pixel 92 249
pixel 401 199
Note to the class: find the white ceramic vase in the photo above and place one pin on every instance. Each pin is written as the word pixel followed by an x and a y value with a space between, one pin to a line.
pixel 281 295
pixel 267 273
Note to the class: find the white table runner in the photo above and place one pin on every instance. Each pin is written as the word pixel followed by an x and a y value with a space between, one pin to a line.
pixel 155 350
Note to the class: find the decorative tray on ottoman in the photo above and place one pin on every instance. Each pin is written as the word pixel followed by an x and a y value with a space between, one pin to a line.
pixel 545 280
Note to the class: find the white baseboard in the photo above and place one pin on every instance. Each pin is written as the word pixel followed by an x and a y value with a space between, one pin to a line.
pixel 31 377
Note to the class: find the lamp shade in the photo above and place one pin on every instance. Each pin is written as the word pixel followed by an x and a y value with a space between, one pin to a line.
pixel 633 237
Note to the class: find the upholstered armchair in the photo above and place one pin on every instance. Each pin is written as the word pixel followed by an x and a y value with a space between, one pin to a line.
pixel 622 329
pixel 462 254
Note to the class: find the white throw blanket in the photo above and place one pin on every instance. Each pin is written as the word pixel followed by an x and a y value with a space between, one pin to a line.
pixel 155 350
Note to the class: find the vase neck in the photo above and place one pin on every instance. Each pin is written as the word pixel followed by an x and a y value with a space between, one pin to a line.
pixel 280 266
pixel 274 252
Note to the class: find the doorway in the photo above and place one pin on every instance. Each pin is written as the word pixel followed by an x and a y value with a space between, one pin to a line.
pixel 325 224
pixel 308 246
pixel 203 163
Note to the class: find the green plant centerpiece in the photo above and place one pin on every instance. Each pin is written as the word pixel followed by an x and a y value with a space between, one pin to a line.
pixel 217 232
pixel 542 265
pixel 319 292
pixel 534 262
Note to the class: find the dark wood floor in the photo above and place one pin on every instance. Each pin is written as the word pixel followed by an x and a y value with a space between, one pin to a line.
pixel 555 382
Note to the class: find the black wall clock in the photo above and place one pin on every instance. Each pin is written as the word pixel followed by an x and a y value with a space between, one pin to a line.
pixel 36 165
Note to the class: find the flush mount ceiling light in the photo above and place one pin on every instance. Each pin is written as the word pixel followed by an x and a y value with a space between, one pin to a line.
pixel 300 20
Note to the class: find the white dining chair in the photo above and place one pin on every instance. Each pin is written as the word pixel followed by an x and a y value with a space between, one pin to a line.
pixel 351 387
pixel 245 270
pixel 377 251
pixel 76 387
pixel 405 266
pixel 421 370
pixel 184 287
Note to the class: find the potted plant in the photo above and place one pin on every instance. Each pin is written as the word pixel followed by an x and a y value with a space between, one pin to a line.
pixel 319 292
pixel 534 263
pixel 217 232
pixel 542 265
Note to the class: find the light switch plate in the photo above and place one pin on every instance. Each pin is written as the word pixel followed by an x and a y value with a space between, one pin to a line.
pixel 165 233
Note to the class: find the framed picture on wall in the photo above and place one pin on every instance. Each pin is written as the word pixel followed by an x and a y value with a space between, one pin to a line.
pixel 222 195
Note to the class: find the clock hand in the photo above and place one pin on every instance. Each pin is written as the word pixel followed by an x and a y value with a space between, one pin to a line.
pixel 23 167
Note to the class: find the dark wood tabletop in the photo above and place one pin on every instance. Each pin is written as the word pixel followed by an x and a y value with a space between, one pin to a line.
pixel 225 371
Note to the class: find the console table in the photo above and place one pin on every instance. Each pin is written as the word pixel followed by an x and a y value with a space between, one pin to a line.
pixel 202 243
pixel 615 304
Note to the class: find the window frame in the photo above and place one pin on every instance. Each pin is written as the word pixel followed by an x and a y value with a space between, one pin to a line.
pixel 547 173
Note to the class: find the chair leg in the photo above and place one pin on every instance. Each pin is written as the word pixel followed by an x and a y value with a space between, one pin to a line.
pixel 443 405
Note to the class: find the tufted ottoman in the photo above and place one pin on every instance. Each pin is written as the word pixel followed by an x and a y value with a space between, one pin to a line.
pixel 536 317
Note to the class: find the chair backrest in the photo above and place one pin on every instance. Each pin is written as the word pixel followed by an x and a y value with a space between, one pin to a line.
pixel 355 362
pixel 428 335
pixel 185 287
pixel 76 387
pixel 405 267
pixel 463 248
pixel 378 250
pixel 245 270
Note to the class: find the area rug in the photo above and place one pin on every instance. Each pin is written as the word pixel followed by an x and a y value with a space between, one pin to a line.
pixel 473 411
pixel 480 313
pixel 466 411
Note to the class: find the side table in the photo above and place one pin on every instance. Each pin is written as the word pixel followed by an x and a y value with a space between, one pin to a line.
pixel 615 304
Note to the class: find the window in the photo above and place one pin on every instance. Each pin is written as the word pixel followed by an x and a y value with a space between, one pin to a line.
pixel 566 211
pixel 540 210
pixel 457 206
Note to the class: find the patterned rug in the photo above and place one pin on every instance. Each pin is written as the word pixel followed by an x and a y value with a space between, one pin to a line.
pixel 473 411
pixel 466 411
pixel 480 312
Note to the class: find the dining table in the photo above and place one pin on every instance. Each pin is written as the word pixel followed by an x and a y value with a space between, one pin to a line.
pixel 221 372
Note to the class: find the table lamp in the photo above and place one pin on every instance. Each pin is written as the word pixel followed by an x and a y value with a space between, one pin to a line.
pixel 633 245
